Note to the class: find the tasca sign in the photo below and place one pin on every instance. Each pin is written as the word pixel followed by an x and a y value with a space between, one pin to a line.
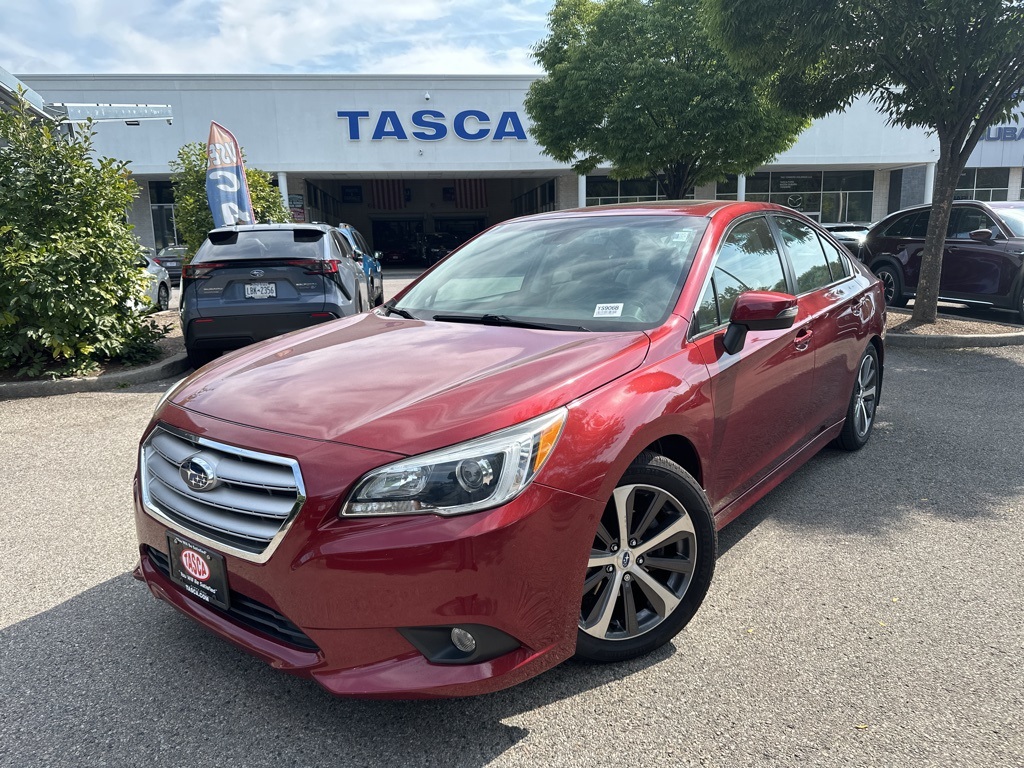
pixel 433 125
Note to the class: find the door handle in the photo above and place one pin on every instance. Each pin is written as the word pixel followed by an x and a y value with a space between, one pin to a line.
pixel 803 339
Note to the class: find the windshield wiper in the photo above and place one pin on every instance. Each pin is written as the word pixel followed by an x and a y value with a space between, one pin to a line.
pixel 505 320
pixel 391 309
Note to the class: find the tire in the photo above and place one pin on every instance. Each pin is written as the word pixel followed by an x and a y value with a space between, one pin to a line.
pixel 651 593
pixel 893 285
pixel 1020 304
pixel 860 414
pixel 163 298
pixel 197 358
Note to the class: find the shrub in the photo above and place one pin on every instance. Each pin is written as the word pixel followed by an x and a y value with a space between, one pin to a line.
pixel 69 284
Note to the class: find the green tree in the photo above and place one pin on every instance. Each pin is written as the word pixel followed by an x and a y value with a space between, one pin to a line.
pixel 69 281
pixel 192 211
pixel 954 67
pixel 637 84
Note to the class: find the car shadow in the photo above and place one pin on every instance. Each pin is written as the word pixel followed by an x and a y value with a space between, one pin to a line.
pixel 114 677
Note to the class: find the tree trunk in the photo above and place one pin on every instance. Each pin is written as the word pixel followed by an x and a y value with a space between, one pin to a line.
pixel 947 173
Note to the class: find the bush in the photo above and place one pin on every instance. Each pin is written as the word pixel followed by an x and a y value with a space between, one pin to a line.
pixel 69 284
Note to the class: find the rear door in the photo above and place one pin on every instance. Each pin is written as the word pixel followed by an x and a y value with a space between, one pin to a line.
pixel 254 272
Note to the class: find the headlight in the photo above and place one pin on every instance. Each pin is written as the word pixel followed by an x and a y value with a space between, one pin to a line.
pixel 479 474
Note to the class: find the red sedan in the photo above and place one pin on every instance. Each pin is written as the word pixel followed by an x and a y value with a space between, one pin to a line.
pixel 526 455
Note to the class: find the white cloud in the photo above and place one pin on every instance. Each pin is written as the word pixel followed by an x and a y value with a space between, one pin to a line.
pixel 266 36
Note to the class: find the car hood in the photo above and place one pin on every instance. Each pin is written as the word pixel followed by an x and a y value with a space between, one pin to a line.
pixel 406 386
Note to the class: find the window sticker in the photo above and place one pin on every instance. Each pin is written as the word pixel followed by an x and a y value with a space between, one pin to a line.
pixel 608 310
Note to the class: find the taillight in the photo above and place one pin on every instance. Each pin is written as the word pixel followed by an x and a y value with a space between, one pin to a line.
pixel 198 271
pixel 316 266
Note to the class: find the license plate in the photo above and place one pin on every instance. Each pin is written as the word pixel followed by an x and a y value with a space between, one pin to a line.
pixel 199 571
pixel 260 290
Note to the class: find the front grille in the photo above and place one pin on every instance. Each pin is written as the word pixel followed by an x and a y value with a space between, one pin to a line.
pixel 248 612
pixel 254 497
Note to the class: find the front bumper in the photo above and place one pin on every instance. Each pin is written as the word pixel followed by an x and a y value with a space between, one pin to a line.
pixel 351 585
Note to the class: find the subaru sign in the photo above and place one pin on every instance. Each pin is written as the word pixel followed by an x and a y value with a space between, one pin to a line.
pixel 434 125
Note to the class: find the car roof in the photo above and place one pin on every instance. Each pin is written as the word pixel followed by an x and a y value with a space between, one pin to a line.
pixel 705 208
pixel 273 226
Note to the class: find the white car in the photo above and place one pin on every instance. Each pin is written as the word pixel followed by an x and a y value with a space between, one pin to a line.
pixel 158 292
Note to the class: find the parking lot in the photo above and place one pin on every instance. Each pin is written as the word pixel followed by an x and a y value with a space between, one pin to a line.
pixel 866 612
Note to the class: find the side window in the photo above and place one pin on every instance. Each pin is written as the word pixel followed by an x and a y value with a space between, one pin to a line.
pixel 342 245
pixel 968 220
pixel 747 261
pixel 804 249
pixel 837 263
pixel 707 310
pixel 902 227
pixel 920 226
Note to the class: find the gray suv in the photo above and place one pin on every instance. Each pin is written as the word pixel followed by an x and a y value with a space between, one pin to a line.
pixel 249 283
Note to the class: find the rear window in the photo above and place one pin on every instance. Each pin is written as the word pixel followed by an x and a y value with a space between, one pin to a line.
pixel 262 244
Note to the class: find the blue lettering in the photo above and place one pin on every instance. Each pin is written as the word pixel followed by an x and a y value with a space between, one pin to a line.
pixel 993 134
pixel 425 119
pixel 509 126
pixel 353 122
pixel 1009 134
pixel 389 126
pixel 460 125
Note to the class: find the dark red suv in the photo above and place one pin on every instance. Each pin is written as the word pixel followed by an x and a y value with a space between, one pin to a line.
pixel 523 457
pixel 982 263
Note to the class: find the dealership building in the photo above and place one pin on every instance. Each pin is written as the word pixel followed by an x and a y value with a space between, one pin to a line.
pixel 401 155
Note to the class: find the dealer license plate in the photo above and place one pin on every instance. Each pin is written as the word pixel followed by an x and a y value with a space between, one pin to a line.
pixel 199 571
pixel 260 290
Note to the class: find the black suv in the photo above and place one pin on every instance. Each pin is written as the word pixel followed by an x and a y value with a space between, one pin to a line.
pixel 983 260
pixel 252 282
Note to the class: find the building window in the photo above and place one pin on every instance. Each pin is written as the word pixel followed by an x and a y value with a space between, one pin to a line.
pixel 537 200
pixel 161 207
pixel 832 196
pixel 983 184
pixel 603 190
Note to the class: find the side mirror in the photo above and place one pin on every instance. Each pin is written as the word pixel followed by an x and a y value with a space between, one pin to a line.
pixel 378 255
pixel 758 311
pixel 983 235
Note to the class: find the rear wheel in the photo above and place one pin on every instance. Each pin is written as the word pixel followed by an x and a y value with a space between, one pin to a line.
pixel 163 298
pixel 650 565
pixel 860 414
pixel 893 285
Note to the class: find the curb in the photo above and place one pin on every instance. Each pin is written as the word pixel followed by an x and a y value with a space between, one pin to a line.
pixel 172 366
pixel 964 341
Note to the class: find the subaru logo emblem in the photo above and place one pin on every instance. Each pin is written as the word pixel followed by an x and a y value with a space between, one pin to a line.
pixel 625 559
pixel 257 273
pixel 198 474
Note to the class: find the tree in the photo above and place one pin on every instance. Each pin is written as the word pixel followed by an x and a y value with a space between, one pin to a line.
pixel 954 67
pixel 192 215
pixel 69 280
pixel 638 84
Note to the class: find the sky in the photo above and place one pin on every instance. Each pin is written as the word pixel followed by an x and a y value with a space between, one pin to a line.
pixel 271 36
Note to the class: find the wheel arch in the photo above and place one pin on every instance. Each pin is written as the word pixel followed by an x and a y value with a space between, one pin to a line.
pixel 680 450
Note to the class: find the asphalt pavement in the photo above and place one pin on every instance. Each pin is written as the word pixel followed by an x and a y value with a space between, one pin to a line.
pixel 865 613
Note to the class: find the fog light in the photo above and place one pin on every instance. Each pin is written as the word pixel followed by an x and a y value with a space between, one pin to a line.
pixel 462 640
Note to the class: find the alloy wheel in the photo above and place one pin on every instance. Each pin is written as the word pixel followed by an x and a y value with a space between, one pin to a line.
pixel 864 395
pixel 888 285
pixel 641 563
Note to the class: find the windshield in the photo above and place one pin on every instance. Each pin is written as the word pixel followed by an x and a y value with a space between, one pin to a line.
pixel 600 273
pixel 1013 218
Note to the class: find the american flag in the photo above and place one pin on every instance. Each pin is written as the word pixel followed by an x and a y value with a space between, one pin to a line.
pixel 388 194
pixel 470 193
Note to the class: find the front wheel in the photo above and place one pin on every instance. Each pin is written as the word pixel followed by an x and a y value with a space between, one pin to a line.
pixel 860 414
pixel 650 565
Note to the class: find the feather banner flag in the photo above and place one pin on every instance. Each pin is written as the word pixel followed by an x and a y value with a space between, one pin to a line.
pixel 227 191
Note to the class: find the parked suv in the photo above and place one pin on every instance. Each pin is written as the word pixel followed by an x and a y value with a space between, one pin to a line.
pixel 252 282
pixel 369 260
pixel 983 260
